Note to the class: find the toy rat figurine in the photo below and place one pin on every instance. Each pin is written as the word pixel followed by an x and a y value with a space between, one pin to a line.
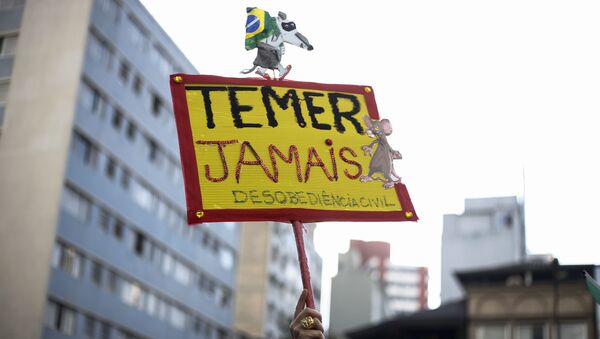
pixel 267 35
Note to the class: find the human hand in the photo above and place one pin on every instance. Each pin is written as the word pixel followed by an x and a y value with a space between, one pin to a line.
pixel 307 322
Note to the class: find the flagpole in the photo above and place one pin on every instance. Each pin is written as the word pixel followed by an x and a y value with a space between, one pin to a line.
pixel 304 270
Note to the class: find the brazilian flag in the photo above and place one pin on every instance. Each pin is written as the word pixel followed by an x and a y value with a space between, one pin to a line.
pixel 593 286
pixel 259 25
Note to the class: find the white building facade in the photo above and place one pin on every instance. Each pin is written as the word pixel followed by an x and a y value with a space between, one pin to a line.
pixel 490 232
pixel 368 289
pixel 405 289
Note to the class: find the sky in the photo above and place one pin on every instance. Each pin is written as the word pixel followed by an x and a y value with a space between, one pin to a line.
pixel 487 98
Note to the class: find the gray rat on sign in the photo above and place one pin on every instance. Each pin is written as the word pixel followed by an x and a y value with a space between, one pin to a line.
pixel 382 159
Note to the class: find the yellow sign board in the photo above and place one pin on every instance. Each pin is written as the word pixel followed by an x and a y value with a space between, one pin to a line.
pixel 283 150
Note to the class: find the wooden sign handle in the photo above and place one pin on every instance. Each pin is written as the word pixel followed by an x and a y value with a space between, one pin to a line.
pixel 304 271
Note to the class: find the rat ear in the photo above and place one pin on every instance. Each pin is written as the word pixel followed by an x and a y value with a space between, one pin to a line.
pixel 368 121
pixel 370 126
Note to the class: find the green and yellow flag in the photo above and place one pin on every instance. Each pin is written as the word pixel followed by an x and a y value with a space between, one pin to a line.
pixel 259 25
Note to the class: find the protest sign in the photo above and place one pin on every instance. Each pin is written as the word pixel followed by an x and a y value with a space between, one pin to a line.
pixel 263 150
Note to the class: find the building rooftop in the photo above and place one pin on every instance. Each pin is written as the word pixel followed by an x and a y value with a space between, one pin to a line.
pixel 450 317
pixel 533 270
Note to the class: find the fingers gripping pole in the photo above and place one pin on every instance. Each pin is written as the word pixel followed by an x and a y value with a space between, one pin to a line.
pixel 304 271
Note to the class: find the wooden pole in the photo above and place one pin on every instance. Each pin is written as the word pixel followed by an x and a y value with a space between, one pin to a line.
pixel 304 271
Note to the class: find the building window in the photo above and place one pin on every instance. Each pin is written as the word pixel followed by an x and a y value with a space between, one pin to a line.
pixel 490 332
pixel 172 170
pixel 124 71
pixel 67 259
pixel 223 297
pixel 125 179
pixel 226 258
pixel 140 242
pixel 142 195
pixel 211 287
pixel 197 327
pixel 110 8
pixel 104 220
pixel 508 220
pixel 206 239
pixel 137 85
pixel 105 328
pixel 91 98
pixel 157 105
pixel 97 273
pixel 151 304
pixel 3 95
pixel 97 101
pixel 162 308
pixel 177 317
pixel 117 119
pixel 99 51
pixel 208 330
pixel 132 294
pixel 202 281
pixel 138 35
pixel 131 131
pixel 161 209
pixel 215 246
pixel 162 61
pixel 56 253
pixel 576 330
pixel 531 331
pixel 159 157
pixel 111 167
pixel 89 327
pixel 8 45
pixel 172 217
pixel 157 254
pixel 167 263
pixel 83 148
pixel 118 229
pixel 152 149
pixel 59 317
pixel 76 204
pixel 182 273
pixel 113 282
pixel 221 334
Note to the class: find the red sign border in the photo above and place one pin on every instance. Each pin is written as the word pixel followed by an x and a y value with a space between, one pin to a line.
pixel 196 214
